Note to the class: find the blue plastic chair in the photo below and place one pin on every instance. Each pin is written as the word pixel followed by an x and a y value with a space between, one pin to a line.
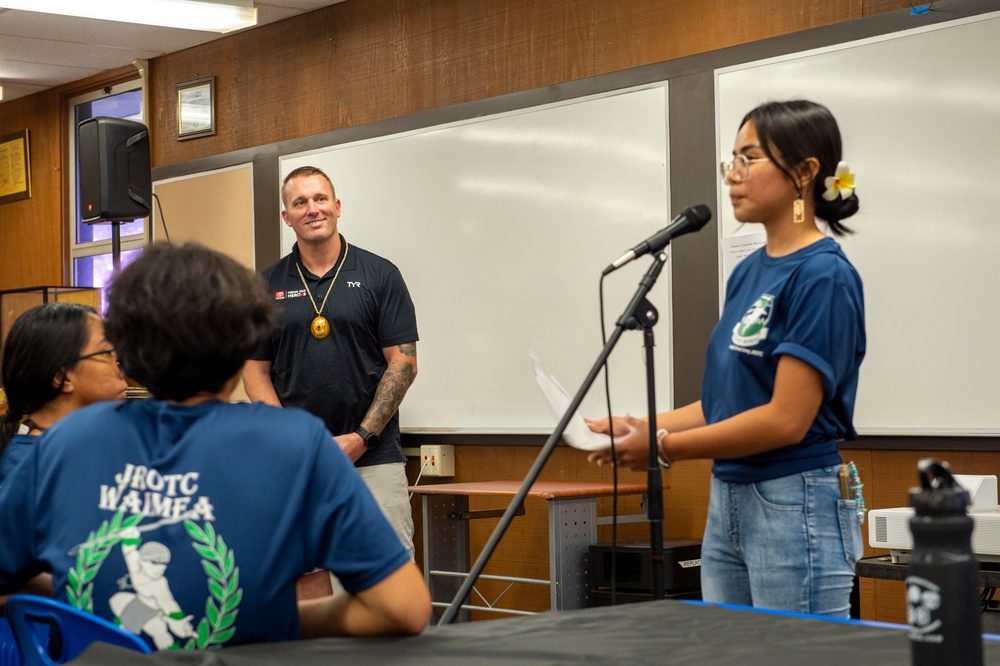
pixel 9 654
pixel 71 630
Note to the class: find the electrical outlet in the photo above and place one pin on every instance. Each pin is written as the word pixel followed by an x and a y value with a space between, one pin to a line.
pixel 437 459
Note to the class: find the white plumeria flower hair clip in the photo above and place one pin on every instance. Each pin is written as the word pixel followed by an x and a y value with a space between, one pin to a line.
pixel 840 184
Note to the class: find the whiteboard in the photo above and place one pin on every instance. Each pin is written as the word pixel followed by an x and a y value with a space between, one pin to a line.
pixel 920 115
pixel 501 227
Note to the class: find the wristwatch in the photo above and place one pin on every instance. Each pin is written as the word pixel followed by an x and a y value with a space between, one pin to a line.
pixel 370 438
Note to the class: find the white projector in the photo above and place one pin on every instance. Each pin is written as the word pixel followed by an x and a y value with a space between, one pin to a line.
pixel 890 528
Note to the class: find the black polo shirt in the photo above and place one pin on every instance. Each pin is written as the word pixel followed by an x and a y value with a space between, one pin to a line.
pixel 335 378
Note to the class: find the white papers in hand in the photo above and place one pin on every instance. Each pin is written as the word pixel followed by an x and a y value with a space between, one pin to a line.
pixel 577 434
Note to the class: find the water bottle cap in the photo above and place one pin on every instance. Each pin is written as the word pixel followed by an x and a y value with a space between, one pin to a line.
pixel 939 493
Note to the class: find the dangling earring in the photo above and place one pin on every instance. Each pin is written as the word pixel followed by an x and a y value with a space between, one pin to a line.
pixel 798 209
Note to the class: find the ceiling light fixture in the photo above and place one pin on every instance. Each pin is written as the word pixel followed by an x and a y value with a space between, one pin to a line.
pixel 207 15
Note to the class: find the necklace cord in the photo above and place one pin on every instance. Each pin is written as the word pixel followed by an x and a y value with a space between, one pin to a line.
pixel 319 310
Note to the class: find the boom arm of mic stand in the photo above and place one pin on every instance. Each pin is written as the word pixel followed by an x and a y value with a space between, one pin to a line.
pixel 645 285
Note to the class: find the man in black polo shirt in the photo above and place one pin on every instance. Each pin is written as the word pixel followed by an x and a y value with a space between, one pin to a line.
pixel 345 345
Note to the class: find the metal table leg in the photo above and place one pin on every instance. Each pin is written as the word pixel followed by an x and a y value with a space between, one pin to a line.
pixel 572 529
pixel 446 547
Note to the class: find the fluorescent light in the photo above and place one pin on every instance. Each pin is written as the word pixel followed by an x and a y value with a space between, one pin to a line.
pixel 211 16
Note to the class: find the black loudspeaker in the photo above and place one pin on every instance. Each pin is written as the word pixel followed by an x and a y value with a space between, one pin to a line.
pixel 115 180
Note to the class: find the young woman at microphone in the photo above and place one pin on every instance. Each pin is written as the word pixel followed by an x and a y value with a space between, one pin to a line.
pixel 780 380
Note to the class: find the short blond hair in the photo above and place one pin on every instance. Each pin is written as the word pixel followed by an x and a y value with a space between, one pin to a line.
pixel 303 172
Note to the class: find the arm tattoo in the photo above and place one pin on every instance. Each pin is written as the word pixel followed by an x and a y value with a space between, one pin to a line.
pixel 391 388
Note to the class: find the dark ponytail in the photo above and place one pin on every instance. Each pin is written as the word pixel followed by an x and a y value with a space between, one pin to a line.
pixel 798 130
pixel 8 426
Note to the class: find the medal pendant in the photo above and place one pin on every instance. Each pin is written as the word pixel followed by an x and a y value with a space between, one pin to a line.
pixel 320 327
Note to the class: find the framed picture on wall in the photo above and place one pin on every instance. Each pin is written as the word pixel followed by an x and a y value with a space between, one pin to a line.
pixel 196 108
pixel 15 167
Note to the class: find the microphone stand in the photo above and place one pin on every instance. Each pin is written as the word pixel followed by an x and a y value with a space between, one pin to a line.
pixel 638 314
pixel 116 247
pixel 654 481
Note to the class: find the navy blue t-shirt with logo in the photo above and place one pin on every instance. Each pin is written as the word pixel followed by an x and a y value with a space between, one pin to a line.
pixel 369 308
pixel 189 525
pixel 809 305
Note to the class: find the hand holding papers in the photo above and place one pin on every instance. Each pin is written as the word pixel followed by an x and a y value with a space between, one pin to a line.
pixel 577 434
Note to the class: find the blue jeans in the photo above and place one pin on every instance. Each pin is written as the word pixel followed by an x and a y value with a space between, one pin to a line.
pixel 785 544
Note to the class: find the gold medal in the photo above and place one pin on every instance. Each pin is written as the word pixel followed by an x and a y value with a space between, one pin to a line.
pixel 320 328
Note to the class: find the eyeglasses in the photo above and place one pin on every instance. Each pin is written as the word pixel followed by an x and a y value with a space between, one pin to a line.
pixel 110 351
pixel 737 170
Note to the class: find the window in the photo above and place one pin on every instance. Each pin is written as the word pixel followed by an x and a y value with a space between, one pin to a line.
pixel 90 244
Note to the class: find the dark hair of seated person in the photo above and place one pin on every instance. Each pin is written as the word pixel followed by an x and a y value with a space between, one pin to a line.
pixel 42 344
pixel 184 319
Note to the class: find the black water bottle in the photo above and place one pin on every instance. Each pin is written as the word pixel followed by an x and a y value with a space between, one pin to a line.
pixel 942 577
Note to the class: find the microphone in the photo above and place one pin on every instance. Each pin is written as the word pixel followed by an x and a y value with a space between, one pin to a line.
pixel 690 219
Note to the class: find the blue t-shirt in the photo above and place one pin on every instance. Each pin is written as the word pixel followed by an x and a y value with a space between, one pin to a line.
pixel 169 519
pixel 16 450
pixel 809 305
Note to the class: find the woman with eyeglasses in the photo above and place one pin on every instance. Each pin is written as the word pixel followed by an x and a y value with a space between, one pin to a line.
pixel 55 360
pixel 781 375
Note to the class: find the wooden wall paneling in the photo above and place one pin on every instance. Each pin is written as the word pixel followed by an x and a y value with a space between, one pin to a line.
pixel 362 66
pixel 359 62
pixel 889 602
pixel 309 74
pixel 685 505
pixel 443 56
pixel 212 59
pixel 896 471
pixel 535 44
pixel 866 594
pixel 31 230
pixel 646 31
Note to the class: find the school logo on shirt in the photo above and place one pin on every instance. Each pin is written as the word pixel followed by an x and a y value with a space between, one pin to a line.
pixel 752 328
pixel 145 603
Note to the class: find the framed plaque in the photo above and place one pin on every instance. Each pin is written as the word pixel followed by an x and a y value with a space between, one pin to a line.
pixel 196 108
pixel 15 167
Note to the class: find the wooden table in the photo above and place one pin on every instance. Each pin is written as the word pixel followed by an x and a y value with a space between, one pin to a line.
pixel 573 525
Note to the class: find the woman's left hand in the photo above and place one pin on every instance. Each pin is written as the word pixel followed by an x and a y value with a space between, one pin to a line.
pixel 632 449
